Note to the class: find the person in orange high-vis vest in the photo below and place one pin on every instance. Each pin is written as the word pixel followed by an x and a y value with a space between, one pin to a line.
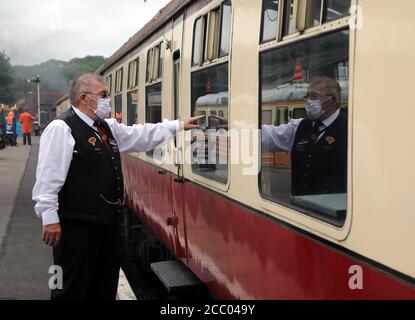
pixel 11 128
pixel 25 119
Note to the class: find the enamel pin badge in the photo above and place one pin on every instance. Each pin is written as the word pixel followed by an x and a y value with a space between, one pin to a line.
pixel 330 140
pixel 92 141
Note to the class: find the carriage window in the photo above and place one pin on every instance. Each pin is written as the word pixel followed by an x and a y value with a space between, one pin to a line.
pixel 210 143
pixel 132 102
pixel 336 9
pixel 133 74
pixel 313 15
pixel 269 20
pixel 162 49
pixel 197 42
pixel 119 81
pixel 153 106
pixel 109 83
pixel 118 108
pixel 289 28
pixel 149 65
pixel 304 162
pixel 153 103
pixel 226 28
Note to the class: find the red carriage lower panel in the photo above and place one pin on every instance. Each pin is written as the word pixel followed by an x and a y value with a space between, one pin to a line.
pixel 240 254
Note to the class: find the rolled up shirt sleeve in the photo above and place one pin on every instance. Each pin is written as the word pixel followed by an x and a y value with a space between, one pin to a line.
pixel 55 156
pixel 142 138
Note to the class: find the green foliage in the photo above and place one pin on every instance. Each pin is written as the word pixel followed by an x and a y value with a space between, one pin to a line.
pixel 78 66
pixel 8 94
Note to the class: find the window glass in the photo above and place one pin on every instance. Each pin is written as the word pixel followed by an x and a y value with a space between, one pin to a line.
pixel 137 69
pixel 210 146
pixel 149 57
pixel 197 42
pixel 226 28
pixel 336 9
pixel 118 108
pixel 288 17
pixel 153 103
pixel 161 51
pixel 269 20
pixel 313 13
pixel 132 102
pixel 304 162
pixel 153 106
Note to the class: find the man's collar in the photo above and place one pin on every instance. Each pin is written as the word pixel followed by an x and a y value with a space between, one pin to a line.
pixel 327 122
pixel 83 116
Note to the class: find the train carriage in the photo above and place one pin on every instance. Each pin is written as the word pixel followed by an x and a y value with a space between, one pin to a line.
pixel 241 231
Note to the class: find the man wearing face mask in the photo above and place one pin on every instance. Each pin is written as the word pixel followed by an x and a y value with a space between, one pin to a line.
pixel 79 187
pixel 318 145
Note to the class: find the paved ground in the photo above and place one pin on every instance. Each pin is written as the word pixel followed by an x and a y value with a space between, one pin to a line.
pixel 24 259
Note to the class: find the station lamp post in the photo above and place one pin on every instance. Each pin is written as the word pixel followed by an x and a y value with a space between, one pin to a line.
pixel 37 80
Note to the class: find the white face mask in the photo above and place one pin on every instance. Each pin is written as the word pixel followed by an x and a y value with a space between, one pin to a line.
pixel 103 110
pixel 314 109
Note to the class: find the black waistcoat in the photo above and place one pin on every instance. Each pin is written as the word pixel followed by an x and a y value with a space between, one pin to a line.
pixel 320 168
pixel 93 190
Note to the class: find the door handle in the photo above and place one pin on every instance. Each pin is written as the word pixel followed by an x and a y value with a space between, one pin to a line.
pixel 162 171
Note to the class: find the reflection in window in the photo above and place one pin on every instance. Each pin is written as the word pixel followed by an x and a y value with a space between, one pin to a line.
pixel 132 102
pixel 336 9
pixel 305 167
pixel 226 29
pixel 269 20
pixel 210 146
pixel 118 108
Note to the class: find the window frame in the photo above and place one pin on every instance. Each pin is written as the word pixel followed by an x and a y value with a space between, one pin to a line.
pixel 299 8
pixel 203 177
pixel 155 63
pixel 298 211
pixel 119 80
pixel 211 36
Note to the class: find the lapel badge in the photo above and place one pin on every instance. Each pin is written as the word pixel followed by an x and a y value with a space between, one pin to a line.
pixel 92 141
pixel 330 140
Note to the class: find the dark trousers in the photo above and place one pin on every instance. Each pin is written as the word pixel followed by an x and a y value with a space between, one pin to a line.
pixel 28 137
pixel 89 255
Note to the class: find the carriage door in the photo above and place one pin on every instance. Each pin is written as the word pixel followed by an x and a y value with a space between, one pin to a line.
pixel 178 220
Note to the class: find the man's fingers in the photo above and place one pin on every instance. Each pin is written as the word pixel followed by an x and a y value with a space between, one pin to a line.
pixel 47 237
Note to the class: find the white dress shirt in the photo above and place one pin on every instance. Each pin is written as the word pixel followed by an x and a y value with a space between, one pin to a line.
pixel 57 147
pixel 281 138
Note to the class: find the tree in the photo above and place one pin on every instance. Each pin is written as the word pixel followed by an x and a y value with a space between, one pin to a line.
pixel 77 66
pixel 8 93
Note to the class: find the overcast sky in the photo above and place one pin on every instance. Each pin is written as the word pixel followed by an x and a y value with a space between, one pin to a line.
pixel 34 31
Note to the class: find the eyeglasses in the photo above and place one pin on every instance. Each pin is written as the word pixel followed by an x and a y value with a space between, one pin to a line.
pixel 103 95
pixel 315 96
